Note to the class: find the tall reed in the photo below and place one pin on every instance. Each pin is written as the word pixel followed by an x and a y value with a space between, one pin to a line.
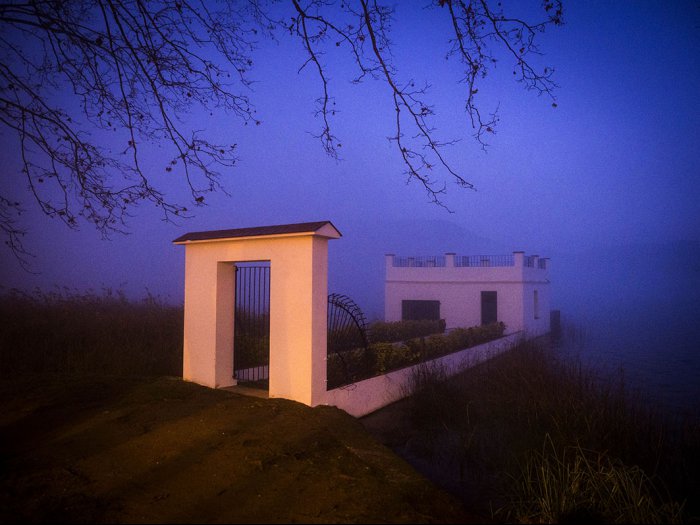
pixel 572 484
pixel 66 332
pixel 525 425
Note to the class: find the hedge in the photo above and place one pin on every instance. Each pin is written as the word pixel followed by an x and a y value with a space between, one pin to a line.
pixel 391 332
pixel 383 357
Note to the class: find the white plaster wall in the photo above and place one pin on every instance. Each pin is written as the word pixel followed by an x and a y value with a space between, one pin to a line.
pixel 298 310
pixel 372 394
pixel 298 321
pixel 536 279
pixel 454 273
pixel 199 353
pixel 460 302
pixel 459 291
pixel 539 326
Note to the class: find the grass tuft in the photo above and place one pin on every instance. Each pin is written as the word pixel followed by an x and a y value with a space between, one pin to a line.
pixel 560 486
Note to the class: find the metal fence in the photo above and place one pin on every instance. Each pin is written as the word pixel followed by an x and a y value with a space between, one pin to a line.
pixel 428 261
pixel 484 260
pixel 431 261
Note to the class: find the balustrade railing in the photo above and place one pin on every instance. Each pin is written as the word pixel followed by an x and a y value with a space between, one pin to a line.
pixel 426 261
pixel 464 261
pixel 484 260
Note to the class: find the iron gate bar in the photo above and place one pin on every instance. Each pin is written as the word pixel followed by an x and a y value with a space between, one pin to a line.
pixel 347 332
pixel 252 323
pixel 345 318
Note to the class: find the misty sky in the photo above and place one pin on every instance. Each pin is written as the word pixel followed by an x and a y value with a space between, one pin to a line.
pixel 616 163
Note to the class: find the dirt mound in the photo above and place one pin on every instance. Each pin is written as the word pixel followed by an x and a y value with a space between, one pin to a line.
pixel 162 450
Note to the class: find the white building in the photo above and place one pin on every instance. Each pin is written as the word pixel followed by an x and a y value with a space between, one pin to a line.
pixel 470 290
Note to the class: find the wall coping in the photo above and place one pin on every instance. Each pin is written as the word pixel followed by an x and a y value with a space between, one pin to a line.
pixel 321 228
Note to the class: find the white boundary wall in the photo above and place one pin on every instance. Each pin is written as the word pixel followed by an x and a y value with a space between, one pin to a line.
pixel 364 397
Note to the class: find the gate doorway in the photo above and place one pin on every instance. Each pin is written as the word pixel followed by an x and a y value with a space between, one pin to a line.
pixel 251 332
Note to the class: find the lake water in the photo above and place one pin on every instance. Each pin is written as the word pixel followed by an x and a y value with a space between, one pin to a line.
pixel 655 344
pixel 638 308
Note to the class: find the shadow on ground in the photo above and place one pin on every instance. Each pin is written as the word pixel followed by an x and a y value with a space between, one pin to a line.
pixel 106 450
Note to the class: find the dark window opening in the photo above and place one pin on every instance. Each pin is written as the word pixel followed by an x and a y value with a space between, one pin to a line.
pixel 418 310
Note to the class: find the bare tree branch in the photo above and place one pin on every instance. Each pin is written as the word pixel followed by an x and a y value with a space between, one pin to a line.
pixel 133 69
pixel 327 138
pixel 476 27
pixel 88 86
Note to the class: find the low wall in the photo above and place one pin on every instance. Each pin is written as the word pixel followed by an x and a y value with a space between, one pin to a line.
pixel 364 397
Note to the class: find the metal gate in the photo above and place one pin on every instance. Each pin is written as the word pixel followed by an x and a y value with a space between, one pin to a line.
pixel 349 357
pixel 251 334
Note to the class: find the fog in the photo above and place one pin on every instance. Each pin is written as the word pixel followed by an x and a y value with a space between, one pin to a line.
pixel 634 309
pixel 606 184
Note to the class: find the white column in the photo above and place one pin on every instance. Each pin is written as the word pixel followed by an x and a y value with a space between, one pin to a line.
pixel 225 305
pixel 519 259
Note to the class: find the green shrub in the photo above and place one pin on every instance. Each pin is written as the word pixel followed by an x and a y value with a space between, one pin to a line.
pixel 394 345
pixel 393 356
pixel 391 332
pixel 476 335
pixel 383 357
pixel 437 345
pixel 343 368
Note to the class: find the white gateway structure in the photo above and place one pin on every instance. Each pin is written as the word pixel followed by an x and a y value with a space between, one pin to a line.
pixel 470 290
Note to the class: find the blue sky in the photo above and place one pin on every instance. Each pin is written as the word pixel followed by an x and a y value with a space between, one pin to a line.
pixel 616 163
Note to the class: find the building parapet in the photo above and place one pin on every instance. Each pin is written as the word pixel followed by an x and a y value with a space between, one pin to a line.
pixel 517 259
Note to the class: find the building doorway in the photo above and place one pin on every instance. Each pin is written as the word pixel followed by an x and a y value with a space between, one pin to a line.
pixel 489 307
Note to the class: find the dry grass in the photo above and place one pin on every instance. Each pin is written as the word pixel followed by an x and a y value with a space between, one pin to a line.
pixel 162 450
pixel 526 434
pixel 576 484
pixel 542 439
pixel 84 441
pixel 65 332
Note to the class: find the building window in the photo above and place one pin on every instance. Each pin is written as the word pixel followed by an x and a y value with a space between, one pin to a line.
pixel 418 310
pixel 536 300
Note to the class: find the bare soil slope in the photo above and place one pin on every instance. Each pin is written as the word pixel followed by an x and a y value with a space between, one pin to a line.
pixel 162 450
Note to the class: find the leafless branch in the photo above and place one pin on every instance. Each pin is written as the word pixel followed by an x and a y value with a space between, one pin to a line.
pixel 133 69
pixel 477 27
pixel 363 27
pixel 87 87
